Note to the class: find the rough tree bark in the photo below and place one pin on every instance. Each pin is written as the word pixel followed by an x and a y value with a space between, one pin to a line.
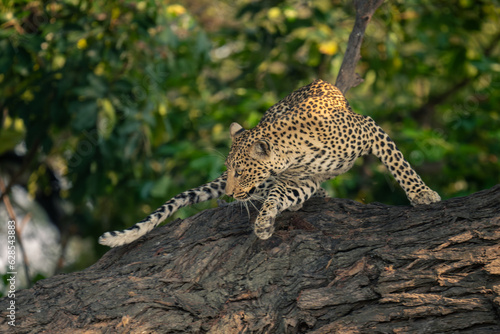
pixel 336 266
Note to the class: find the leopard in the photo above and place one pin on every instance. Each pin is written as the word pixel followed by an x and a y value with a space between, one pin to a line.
pixel 310 136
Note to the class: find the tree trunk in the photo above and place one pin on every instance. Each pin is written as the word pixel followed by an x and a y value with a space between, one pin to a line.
pixel 336 266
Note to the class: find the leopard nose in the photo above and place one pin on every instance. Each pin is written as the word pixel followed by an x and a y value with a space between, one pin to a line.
pixel 229 190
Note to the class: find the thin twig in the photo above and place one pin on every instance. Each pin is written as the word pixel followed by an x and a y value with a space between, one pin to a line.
pixel 348 77
pixel 12 216
pixel 25 220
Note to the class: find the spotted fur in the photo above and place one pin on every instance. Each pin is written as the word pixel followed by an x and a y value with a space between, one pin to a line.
pixel 310 136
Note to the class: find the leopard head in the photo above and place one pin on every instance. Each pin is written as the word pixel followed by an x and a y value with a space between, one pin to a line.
pixel 250 162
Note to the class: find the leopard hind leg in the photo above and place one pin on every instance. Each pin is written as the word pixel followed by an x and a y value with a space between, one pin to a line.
pixel 385 149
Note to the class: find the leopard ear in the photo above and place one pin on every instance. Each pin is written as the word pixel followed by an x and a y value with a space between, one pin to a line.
pixel 260 150
pixel 235 130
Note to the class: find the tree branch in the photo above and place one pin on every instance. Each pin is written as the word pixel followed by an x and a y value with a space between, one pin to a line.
pixel 348 77
pixel 335 266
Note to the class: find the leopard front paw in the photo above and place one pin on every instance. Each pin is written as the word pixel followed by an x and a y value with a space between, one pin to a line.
pixel 264 227
pixel 426 196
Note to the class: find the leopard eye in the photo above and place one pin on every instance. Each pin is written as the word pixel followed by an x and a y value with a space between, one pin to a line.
pixel 237 172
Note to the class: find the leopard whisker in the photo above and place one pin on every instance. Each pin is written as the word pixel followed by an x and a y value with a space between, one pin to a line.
pixel 253 204
pixel 219 154
pixel 248 210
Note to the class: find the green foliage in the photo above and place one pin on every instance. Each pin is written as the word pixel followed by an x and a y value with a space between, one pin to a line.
pixel 131 101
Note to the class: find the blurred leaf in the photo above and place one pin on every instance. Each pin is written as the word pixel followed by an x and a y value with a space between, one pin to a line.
pixel 161 187
pixel 84 114
pixel 9 138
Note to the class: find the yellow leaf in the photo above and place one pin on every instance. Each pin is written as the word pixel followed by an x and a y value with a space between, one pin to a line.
pixel 290 13
pixel 176 10
pixel 162 109
pixel 99 69
pixel 302 33
pixel 106 118
pixel 81 44
pixel 115 13
pixel 328 48
pixel 218 129
pixel 28 96
pixel 274 13
pixel 59 60
pixel 142 5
